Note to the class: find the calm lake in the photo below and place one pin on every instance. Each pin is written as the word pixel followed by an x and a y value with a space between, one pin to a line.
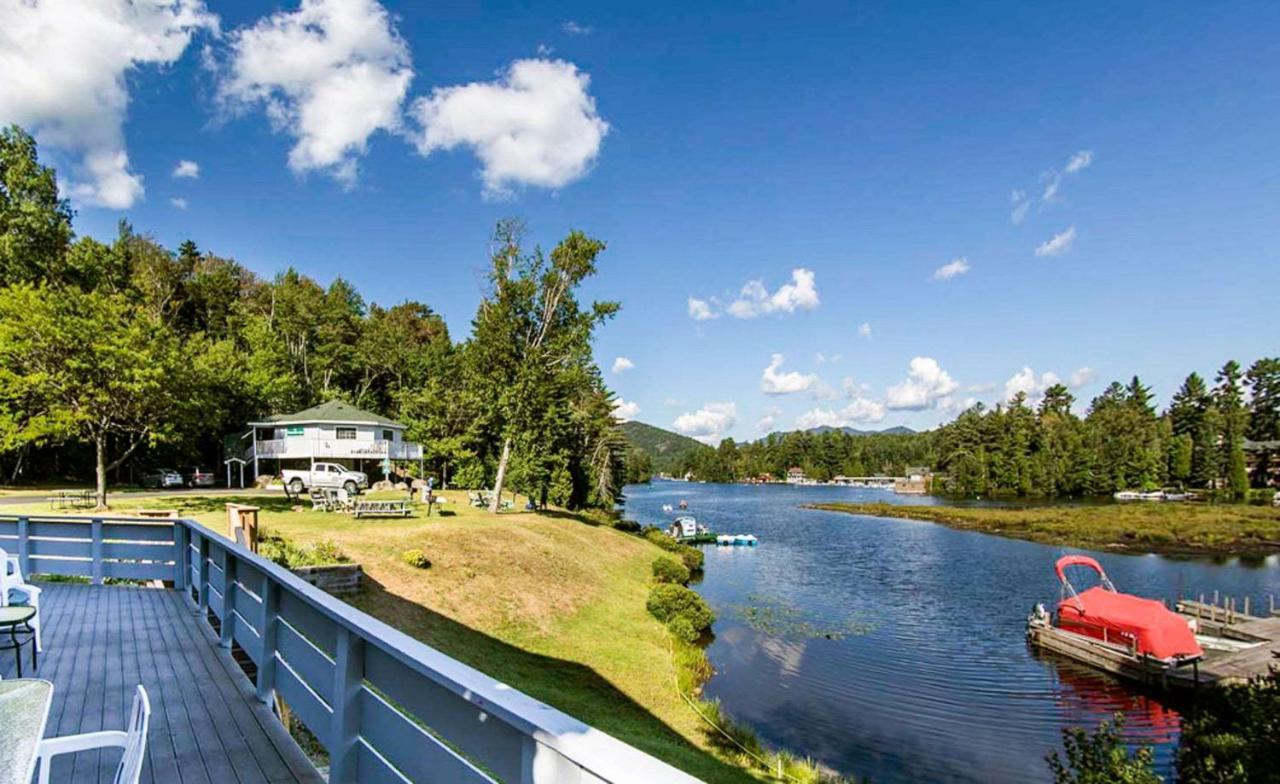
pixel 940 685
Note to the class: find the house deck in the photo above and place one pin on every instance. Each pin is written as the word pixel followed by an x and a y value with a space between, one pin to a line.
pixel 206 724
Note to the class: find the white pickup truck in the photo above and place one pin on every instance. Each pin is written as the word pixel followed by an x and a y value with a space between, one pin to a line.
pixel 325 475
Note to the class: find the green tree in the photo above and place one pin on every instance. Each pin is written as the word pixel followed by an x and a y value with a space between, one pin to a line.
pixel 1101 758
pixel 35 225
pixel 1263 380
pixel 87 367
pixel 1229 399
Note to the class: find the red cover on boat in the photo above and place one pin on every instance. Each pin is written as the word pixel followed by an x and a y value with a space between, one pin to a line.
pixel 1125 618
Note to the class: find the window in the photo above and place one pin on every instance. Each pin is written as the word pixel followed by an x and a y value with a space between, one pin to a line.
pixel 344 433
pixel 388 435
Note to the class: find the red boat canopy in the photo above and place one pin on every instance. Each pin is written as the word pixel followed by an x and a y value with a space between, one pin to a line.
pixel 1106 614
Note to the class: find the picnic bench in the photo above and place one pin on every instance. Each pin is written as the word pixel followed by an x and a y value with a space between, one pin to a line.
pixel 382 508
pixel 70 499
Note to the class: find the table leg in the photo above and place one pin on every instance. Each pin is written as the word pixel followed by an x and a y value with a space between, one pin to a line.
pixel 17 648
pixel 35 651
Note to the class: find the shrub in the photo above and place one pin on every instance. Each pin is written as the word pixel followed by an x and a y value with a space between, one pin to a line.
pixel 658 537
pixel 292 555
pixel 683 611
pixel 415 558
pixel 629 526
pixel 668 570
pixel 693 558
pixel 1101 757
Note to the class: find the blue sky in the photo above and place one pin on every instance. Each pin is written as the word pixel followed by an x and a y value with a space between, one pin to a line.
pixel 868 146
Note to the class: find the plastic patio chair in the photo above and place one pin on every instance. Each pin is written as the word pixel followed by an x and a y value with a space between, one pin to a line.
pixel 132 740
pixel 14 589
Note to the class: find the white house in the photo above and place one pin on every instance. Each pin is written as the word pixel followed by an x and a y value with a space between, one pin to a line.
pixel 334 432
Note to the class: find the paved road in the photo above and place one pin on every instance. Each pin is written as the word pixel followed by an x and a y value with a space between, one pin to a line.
pixel 18 500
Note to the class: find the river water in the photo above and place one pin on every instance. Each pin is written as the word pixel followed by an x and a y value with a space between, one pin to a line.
pixel 938 684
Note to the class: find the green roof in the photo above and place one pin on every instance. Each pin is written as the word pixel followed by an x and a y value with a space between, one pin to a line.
pixel 330 411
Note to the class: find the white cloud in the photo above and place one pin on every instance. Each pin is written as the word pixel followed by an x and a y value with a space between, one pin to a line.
pixel 926 382
pixel 1053 181
pixel 864 330
pixel 952 269
pixel 951 406
pixel 1082 376
pixel 188 169
pixel 1020 203
pixel 178 202
pixel 768 419
pixel 621 364
pixel 702 310
pixel 775 383
pixel 1058 244
pixel 65 69
pixel 625 410
pixel 755 299
pixel 330 74
pixel 852 388
pixel 544 50
pixel 1080 161
pixel 573 28
pixel 535 125
pixel 858 411
pixel 1025 381
pixel 708 423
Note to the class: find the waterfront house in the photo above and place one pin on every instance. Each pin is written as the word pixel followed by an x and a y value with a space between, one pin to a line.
pixel 918 481
pixel 334 431
pixel 795 475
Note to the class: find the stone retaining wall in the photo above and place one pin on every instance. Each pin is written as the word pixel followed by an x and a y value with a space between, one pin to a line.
pixel 337 579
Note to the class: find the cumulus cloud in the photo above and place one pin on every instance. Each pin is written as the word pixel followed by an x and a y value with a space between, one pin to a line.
pixel 65 69
pixel 709 423
pixel 925 383
pixel 536 124
pixel 1079 162
pixel 858 411
pixel 774 382
pixel 330 74
pixel 178 202
pixel 702 310
pixel 187 169
pixel 755 300
pixel 1058 244
pixel 621 364
pixel 1026 382
pixel 951 406
pixel 1082 376
pixel 864 330
pixel 768 419
pixel 952 269
pixel 625 410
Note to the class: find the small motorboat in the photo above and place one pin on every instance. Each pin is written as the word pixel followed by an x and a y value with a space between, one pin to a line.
pixel 1127 495
pixel 684 504
pixel 1113 631
pixel 668 508
pixel 748 540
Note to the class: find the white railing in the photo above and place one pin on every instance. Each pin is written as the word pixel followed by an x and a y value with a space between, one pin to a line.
pixel 386 707
pixel 320 448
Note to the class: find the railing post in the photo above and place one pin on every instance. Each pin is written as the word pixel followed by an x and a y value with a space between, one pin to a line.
pixel 228 597
pixel 348 675
pixel 96 551
pixel 267 664
pixel 181 557
pixel 24 546
pixel 204 575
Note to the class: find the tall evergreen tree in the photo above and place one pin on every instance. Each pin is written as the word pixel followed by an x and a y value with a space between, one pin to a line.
pixel 1229 399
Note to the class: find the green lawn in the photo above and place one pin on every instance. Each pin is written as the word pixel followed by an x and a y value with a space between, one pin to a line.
pixel 1141 527
pixel 548 603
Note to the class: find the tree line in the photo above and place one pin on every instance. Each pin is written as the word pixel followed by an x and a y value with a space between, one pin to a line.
pixel 127 353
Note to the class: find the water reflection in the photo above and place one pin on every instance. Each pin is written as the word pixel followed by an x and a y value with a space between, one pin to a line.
pixel 942 687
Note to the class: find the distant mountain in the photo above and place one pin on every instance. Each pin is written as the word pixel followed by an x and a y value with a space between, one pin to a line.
pixel 900 430
pixel 665 449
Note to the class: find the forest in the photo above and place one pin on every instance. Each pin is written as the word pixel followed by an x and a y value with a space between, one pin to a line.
pixel 122 355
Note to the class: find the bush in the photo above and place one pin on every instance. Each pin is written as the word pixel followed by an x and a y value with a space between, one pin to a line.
pixel 629 526
pixel 668 570
pixel 683 611
pixel 415 558
pixel 693 558
pixel 1102 758
pixel 292 555
pixel 660 538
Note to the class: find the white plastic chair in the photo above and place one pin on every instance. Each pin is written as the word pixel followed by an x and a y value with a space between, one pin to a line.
pixel 133 741
pixel 14 589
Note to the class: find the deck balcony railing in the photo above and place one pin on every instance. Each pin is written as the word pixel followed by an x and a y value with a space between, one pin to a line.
pixel 321 448
pixel 385 706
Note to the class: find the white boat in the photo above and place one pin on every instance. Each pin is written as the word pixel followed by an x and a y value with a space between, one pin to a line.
pixel 1127 495
pixel 1154 495
pixel 668 508
pixel 747 540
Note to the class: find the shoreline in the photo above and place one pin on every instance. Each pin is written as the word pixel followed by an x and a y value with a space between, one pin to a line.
pixel 1195 531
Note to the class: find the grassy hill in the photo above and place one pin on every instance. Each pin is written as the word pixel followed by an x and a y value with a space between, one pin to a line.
pixel 664 448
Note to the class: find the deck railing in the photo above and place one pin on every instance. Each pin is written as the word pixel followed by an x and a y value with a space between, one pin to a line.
pixel 320 448
pixel 386 707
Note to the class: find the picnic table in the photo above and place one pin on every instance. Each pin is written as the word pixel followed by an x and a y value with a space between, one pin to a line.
pixel 24 711
pixel 382 509
pixel 70 499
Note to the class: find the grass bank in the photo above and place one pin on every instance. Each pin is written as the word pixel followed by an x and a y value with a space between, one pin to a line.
pixel 1201 529
pixel 551 604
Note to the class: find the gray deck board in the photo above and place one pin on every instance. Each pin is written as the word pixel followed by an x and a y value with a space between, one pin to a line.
pixel 207 727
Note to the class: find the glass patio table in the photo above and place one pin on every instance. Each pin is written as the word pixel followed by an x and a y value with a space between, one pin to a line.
pixel 14 618
pixel 24 711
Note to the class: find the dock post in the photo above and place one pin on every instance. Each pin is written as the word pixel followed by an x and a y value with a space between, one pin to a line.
pixel 1246 606
pixel 1215 598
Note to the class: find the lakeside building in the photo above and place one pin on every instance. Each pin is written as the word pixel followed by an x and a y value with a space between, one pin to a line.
pixel 334 431
pixel 918 481
pixel 795 476
pixel 1262 461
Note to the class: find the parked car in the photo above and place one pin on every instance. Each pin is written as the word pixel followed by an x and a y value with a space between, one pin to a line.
pixel 330 475
pixel 198 477
pixel 162 478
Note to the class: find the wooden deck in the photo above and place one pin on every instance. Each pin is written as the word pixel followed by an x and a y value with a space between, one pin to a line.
pixel 206 724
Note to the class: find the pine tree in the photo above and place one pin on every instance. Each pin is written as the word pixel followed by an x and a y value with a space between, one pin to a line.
pixel 1229 399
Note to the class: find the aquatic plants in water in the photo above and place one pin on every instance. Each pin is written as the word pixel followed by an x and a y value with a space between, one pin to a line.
pixel 777 618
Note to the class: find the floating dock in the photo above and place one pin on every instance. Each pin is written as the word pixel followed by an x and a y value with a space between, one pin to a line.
pixel 1239 647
